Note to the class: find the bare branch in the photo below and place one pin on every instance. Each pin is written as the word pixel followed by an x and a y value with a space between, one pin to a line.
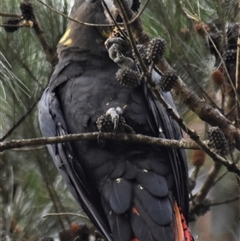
pixel 206 112
pixel 47 49
pixel 20 120
pixel 139 13
pixel 137 138
pixel 9 15
pixel 225 201
pixel 94 24
pixel 219 178
pixel 206 204
pixel 15 25
pixel 64 214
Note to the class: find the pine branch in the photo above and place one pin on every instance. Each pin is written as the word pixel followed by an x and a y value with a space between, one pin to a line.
pixel 9 15
pixel 65 214
pixel 225 201
pixel 206 112
pixel 53 60
pixel 133 138
pixel 127 138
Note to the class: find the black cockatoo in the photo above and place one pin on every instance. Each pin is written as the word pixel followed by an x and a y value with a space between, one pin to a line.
pixel 129 191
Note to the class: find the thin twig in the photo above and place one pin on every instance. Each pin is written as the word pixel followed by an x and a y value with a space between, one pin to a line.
pixel 219 178
pixel 94 24
pixel 14 25
pixel 114 21
pixel 20 120
pixel 9 15
pixel 64 214
pixel 225 201
pixel 139 13
pixel 135 28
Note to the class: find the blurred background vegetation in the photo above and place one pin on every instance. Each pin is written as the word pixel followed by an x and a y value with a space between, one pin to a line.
pixel 30 186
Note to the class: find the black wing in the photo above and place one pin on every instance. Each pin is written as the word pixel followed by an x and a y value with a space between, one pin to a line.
pixel 169 129
pixel 52 124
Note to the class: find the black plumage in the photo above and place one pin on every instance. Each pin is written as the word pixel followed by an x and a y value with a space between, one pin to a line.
pixel 126 190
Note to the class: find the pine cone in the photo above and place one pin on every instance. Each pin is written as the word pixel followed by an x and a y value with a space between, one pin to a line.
pixel 156 50
pixel 105 124
pixel 167 82
pixel 218 141
pixel 229 56
pixel 128 77
pixel 14 22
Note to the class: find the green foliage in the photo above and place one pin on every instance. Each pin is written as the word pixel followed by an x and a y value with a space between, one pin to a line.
pixel 31 186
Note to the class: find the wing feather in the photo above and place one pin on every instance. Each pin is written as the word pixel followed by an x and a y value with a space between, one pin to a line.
pixel 52 124
pixel 169 129
pixel 158 209
pixel 155 184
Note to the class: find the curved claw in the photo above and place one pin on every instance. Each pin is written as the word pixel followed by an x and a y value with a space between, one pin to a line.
pixel 115 116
